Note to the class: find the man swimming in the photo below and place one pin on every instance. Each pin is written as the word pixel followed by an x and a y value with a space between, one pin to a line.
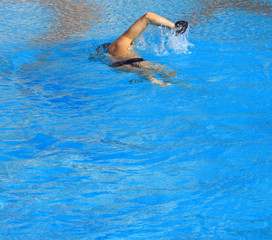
pixel 126 59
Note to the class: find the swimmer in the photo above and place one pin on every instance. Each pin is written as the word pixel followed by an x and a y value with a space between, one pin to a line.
pixel 126 59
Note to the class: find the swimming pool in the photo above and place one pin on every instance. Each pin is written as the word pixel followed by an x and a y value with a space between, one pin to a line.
pixel 90 152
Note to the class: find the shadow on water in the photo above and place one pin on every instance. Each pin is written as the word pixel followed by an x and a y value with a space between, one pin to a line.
pixel 48 23
pixel 206 9
pixel 68 18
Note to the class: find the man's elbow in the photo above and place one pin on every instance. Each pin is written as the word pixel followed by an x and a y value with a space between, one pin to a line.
pixel 148 15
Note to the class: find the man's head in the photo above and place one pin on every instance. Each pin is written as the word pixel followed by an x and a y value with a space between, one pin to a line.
pixel 180 27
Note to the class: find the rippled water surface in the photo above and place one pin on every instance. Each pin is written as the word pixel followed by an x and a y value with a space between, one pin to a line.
pixel 91 152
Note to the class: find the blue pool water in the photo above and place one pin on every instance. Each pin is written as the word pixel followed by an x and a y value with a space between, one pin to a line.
pixel 90 152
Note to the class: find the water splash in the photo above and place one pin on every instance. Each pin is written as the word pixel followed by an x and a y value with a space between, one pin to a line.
pixel 179 44
pixel 164 42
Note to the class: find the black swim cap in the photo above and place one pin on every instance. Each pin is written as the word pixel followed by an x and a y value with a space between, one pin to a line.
pixel 181 27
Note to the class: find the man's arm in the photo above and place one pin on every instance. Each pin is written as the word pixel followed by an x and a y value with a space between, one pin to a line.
pixel 120 46
pixel 149 18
